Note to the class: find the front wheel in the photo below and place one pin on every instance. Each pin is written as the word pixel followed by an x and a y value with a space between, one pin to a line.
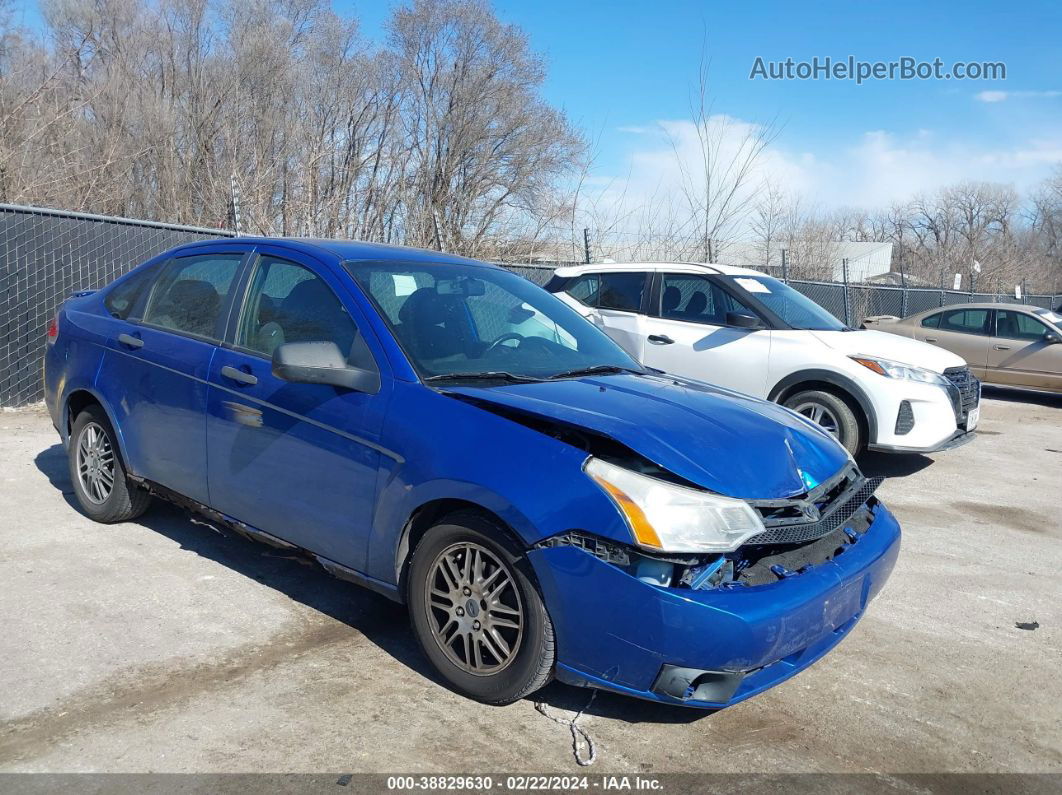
pixel 477 613
pixel 831 413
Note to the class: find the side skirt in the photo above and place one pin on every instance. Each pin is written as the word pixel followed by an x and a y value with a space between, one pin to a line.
pixel 221 521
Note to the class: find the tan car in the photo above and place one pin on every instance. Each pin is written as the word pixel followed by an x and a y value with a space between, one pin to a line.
pixel 1005 344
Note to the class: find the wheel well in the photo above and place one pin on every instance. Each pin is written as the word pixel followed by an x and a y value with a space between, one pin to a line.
pixel 76 403
pixel 837 391
pixel 430 514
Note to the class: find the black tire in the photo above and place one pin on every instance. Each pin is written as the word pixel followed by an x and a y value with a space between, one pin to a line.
pixel 530 663
pixel 838 411
pixel 125 500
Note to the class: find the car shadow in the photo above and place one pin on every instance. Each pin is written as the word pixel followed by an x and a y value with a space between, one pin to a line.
pixel 383 622
pixel 892 465
pixel 1015 395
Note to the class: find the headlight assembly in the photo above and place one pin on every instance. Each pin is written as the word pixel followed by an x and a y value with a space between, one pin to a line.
pixel 907 372
pixel 671 518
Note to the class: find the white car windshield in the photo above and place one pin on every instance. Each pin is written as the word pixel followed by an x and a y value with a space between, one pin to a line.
pixel 794 308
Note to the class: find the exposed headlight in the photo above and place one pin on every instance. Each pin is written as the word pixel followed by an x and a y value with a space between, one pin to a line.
pixel 670 518
pixel 891 369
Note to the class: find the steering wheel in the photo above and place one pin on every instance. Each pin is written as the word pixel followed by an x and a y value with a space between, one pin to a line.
pixel 512 335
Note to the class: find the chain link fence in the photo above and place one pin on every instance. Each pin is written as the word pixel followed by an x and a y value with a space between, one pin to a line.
pixel 45 255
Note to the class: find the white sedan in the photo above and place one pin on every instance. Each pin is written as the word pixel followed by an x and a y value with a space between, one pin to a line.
pixel 747 331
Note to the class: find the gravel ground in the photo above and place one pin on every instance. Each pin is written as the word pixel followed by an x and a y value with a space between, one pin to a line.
pixel 161 646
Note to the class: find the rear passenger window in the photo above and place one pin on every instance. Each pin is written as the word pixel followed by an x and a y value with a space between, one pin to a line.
pixel 290 303
pixel 190 292
pixel 933 321
pixel 585 289
pixel 122 298
pixel 622 291
pixel 965 321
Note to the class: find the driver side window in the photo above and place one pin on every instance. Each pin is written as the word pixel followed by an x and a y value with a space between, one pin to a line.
pixel 696 299
pixel 288 302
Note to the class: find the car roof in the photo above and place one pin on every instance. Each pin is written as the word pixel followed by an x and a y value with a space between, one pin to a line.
pixel 1026 307
pixel 348 249
pixel 681 267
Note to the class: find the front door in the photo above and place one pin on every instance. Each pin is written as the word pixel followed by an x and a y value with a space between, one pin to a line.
pixel 1021 354
pixel 688 335
pixel 298 461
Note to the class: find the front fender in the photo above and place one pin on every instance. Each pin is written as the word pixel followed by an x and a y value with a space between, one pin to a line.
pixel 459 451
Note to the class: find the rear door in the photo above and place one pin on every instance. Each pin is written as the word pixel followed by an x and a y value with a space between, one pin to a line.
pixel 615 302
pixel 1021 354
pixel 687 334
pixel 962 331
pixel 298 461
pixel 154 371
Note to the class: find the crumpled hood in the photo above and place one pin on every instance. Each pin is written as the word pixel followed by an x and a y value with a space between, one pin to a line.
pixel 890 346
pixel 723 441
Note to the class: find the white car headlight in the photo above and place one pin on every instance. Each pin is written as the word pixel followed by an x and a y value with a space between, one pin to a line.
pixel 671 518
pixel 891 369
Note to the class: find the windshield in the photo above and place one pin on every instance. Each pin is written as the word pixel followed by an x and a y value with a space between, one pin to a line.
pixel 1051 317
pixel 458 321
pixel 795 308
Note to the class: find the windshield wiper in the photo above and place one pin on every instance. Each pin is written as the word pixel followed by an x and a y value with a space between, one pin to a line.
pixel 597 369
pixel 493 375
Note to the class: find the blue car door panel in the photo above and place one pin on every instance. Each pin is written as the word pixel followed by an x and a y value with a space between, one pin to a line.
pixel 298 461
pixel 154 371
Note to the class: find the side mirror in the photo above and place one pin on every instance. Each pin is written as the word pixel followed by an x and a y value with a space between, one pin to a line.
pixel 743 320
pixel 1051 338
pixel 321 363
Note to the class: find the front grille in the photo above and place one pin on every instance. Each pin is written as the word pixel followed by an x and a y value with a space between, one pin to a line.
pixel 966 393
pixel 817 513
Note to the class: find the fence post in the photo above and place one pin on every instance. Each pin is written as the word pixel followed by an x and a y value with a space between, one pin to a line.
pixel 847 309
pixel 785 266
pixel 903 288
pixel 586 244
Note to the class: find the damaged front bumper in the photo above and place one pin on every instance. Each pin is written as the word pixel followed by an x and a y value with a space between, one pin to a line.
pixel 706 648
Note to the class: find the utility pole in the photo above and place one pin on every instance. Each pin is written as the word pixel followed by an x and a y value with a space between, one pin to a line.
pixel 586 244
pixel 903 287
pixel 844 275
pixel 235 204
pixel 785 266
pixel 708 250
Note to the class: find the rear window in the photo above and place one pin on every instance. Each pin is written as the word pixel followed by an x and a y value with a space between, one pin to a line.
pixel 190 293
pixel 933 321
pixel 622 291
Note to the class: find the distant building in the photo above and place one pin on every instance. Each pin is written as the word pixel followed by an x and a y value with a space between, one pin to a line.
pixel 865 260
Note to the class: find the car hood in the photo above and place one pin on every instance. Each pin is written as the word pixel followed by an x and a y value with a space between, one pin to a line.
pixel 721 440
pixel 890 346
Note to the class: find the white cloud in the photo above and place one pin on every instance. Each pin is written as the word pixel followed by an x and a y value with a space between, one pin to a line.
pixel 872 170
pixel 1001 96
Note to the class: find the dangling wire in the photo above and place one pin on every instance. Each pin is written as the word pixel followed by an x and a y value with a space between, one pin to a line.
pixel 578 732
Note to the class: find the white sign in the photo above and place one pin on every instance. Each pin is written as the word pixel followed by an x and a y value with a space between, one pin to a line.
pixel 1017 291
pixel 977 266
pixel 958 282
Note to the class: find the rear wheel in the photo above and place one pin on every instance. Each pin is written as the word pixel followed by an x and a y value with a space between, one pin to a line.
pixel 831 413
pixel 477 613
pixel 100 483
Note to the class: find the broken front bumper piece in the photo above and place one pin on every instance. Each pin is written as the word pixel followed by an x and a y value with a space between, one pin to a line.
pixel 619 633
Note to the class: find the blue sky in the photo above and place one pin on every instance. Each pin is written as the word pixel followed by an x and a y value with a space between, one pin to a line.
pixel 620 65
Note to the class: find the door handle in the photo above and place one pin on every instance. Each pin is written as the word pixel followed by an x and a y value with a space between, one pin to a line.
pixel 239 376
pixel 130 341
pixel 1002 347
pixel 931 339
pixel 660 339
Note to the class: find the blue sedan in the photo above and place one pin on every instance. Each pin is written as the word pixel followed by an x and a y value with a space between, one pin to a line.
pixel 446 433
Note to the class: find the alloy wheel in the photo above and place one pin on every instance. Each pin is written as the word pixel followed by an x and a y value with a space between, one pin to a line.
pixel 474 609
pixel 95 463
pixel 820 415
